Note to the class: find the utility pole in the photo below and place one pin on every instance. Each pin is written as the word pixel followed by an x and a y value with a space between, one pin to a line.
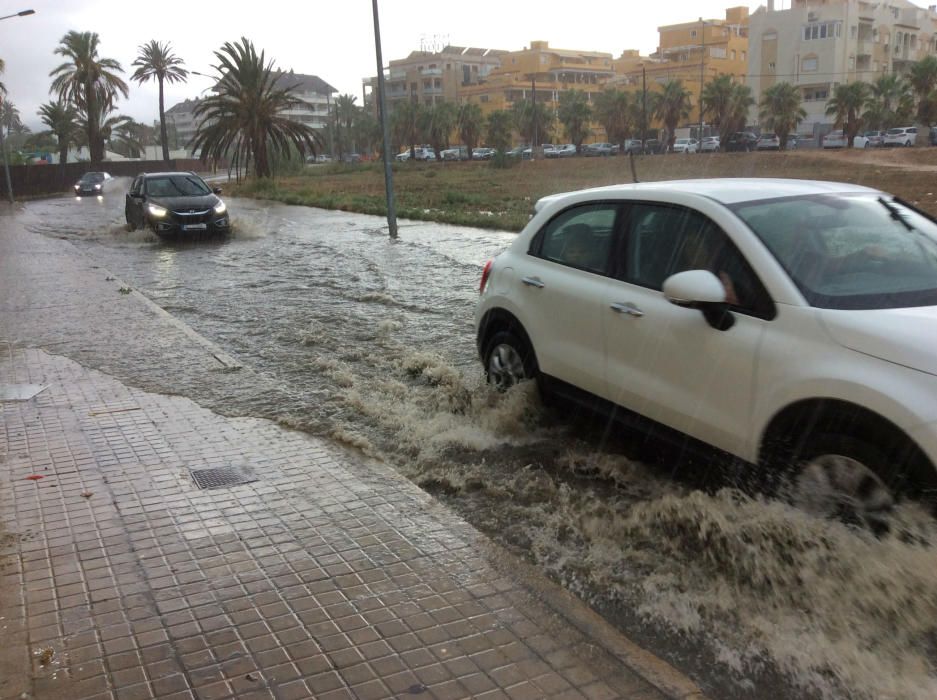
pixel 643 105
pixel 533 113
pixel 385 128
pixel 6 164
pixel 702 61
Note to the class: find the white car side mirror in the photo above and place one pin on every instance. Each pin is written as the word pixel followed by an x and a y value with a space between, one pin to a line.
pixel 693 288
pixel 701 289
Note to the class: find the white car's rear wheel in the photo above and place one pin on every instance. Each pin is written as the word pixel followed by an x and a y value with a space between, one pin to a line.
pixel 509 360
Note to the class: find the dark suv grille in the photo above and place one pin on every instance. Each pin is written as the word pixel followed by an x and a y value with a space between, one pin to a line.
pixel 193 216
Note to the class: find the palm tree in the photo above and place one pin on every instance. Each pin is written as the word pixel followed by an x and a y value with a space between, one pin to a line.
pixel 345 113
pixel 437 123
pixel 781 111
pixel 616 111
pixel 245 115
pixel 157 61
pixel 727 104
pixel 532 121
pixel 673 105
pixel 575 113
pixel 500 125
pixel 471 123
pixel 89 82
pixel 405 124
pixel 3 88
pixel 10 117
pixel 62 120
pixel 890 102
pixel 845 106
pixel 923 79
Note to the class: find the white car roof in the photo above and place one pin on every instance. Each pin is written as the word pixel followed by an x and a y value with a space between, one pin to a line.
pixel 724 190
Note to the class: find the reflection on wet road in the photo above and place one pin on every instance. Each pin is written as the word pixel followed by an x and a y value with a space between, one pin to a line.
pixel 371 343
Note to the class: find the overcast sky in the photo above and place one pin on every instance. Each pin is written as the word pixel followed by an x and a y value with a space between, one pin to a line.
pixel 333 40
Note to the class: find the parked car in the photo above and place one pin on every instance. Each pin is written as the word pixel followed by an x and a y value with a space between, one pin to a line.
pixel 482 153
pixel 175 203
pixel 522 152
pixel 456 153
pixel 566 150
pixel 901 136
pixel 549 150
pixel 403 156
pixel 741 141
pixel 932 136
pixel 599 149
pixel 686 146
pixel 709 144
pixel 834 139
pixel 826 306
pixel 874 139
pixel 634 146
pixel 652 146
pixel 92 183
pixel 768 142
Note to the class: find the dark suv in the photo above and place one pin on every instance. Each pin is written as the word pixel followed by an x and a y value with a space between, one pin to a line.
pixel 741 141
pixel 171 203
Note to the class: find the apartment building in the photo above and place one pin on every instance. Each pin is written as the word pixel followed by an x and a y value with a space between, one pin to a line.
pixel 314 93
pixel 543 70
pixel 819 44
pixel 693 52
pixel 430 77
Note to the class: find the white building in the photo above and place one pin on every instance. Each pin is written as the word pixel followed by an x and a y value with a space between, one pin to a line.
pixel 819 44
pixel 314 93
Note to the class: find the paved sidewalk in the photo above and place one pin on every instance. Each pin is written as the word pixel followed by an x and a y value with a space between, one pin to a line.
pixel 326 577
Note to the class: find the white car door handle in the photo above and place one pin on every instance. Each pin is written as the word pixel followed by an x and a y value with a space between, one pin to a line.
pixel 533 282
pixel 627 308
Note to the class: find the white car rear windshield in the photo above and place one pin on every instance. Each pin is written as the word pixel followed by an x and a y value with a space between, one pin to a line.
pixel 850 251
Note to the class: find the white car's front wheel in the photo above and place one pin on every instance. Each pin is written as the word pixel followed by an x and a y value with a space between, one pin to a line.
pixel 838 481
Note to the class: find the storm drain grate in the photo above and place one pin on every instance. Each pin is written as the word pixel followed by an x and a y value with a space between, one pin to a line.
pixel 222 477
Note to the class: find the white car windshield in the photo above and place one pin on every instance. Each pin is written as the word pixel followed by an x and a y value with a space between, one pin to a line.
pixel 863 251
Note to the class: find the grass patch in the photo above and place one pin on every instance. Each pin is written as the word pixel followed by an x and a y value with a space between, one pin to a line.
pixel 474 194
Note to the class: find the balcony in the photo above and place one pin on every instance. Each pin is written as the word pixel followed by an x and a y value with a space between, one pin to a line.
pixel 864 47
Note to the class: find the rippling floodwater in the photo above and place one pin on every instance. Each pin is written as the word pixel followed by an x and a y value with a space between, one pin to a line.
pixel 372 343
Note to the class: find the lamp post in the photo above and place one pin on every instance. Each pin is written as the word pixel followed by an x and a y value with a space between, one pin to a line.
pixel 385 127
pixel 3 146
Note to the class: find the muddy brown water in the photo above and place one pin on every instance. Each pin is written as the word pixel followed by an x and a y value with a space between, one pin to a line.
pixel 371 343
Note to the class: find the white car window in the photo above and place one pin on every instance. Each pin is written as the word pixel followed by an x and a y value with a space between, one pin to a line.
pixel 580 237
pixel 664 240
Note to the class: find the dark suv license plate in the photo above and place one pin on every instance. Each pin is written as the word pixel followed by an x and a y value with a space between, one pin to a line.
pixel 194 227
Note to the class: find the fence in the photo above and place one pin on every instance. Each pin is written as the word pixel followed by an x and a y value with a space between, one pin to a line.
pixel 36 180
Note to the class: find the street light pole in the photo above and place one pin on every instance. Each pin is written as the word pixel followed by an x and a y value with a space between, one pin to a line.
pixel 3 146
pixel 385 127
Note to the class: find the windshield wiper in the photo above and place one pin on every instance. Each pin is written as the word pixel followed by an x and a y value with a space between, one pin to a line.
pixel 895 213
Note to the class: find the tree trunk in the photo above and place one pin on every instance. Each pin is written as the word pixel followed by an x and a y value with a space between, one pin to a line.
pixel 95 151
pixel 164 137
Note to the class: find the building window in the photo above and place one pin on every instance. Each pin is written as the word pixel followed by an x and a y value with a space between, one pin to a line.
pixel 769 36
pixel 854 31
pixel 809 65
pixel 744 56
pixel 824 30
pixel 771 65
pixel 692 33
pixel 733 54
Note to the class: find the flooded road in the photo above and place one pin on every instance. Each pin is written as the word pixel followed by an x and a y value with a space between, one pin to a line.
pixel 371 343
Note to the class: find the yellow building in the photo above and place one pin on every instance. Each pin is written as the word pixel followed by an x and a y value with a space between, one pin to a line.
pixel 688 52
pixel 548 71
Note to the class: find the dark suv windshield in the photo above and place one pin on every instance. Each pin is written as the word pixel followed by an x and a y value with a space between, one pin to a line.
pixel 176 186
pixel 92 177
pixel 863 251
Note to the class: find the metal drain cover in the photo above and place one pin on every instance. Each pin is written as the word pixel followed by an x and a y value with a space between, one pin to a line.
pixel 222 477
pixel 20 392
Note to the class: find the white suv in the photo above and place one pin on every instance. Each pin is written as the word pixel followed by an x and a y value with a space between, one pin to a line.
pixel 901 136
pixel 789 323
